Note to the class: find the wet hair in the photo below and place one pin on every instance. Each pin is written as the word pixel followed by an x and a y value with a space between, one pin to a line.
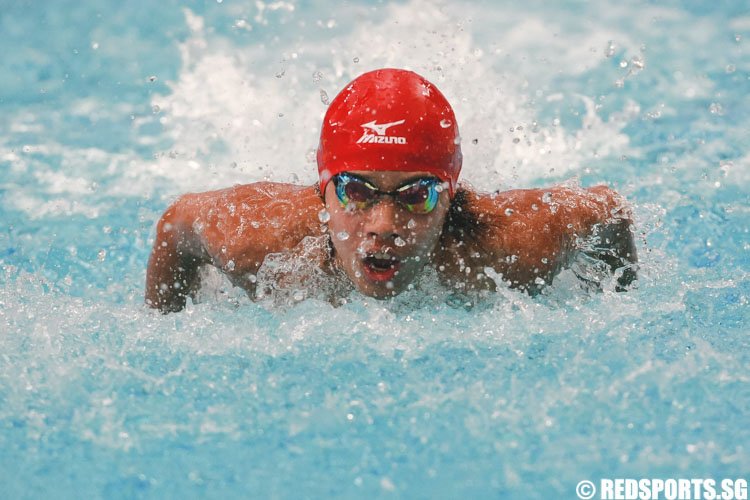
pixel 463 222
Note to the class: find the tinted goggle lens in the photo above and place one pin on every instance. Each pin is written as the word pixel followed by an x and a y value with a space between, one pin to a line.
pixel 359 192
pixel 420 196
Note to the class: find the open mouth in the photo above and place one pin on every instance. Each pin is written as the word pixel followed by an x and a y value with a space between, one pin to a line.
pixel 380 266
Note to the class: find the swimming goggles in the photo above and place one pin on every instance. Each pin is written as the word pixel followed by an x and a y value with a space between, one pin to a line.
pixel 419 196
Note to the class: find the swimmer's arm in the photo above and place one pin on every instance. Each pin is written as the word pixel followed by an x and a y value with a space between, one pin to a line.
pixel 231 229
pixel 604 233
pixel 176 257
pixel 534 233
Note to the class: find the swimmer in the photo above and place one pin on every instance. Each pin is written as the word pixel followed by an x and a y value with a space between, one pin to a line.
pixel 388 205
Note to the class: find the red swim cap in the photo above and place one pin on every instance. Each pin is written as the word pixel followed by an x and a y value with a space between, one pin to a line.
pixel 390 119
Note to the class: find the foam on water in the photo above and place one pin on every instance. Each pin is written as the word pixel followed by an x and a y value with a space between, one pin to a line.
pixel 422 396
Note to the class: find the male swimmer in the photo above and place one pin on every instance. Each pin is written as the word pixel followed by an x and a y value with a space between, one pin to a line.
pixel 388 204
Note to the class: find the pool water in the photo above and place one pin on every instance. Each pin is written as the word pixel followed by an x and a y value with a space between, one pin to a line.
pixel 110 110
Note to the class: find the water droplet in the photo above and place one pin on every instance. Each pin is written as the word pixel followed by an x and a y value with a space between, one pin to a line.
pixel 155 109
pixel 342 236
pixel 311 155
pixel 547 197
pixel 445 123
pixel 623 64
pixel 737 38
pixel 95 45
pixel 356 60
pixel 102 255
pixel 516 140
pixel 638 62
pixel 224 249
pixel 251 277
pixel 411 224
pixel 399 242
pixel 457 140
pixel 324 216
pixel 716 108
pixel 26 149
pixel 298 295
pixel 544 260
pixel 108 229
pixel 475 141
pixel 324 97
pixel 731 68
pixel 509 211
pixel 152 78
pixel 317 76
pixel 230 265
pixel 255 224
pixel 280 73
pixel 539 281
pixel 440 187
pixel 534 207
pixel 610 50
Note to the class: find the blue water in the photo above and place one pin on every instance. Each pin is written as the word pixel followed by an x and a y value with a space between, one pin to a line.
pixel 108 111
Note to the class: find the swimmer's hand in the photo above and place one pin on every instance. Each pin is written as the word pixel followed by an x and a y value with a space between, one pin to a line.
pixel 176 257
pixel 232 229
pixel 607 238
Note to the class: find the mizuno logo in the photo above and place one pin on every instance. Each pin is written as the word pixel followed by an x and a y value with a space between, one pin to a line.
pixel 380 129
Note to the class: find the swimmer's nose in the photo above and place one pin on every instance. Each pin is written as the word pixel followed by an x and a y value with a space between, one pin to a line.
pixel 382 221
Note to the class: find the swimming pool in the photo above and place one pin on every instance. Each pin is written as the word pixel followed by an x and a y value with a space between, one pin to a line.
pixel 110 110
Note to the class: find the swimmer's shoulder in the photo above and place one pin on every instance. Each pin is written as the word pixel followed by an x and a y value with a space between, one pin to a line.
pixel 256 194
pixel 261 201
pixel 245 222
pixel 504 231
pixel 527 235
pixel 527 215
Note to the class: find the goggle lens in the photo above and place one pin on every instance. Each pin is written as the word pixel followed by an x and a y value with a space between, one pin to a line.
pixel 359 192
pixel 420 196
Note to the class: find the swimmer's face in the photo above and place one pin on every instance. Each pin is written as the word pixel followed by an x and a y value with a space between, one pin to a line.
pixel 383 245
